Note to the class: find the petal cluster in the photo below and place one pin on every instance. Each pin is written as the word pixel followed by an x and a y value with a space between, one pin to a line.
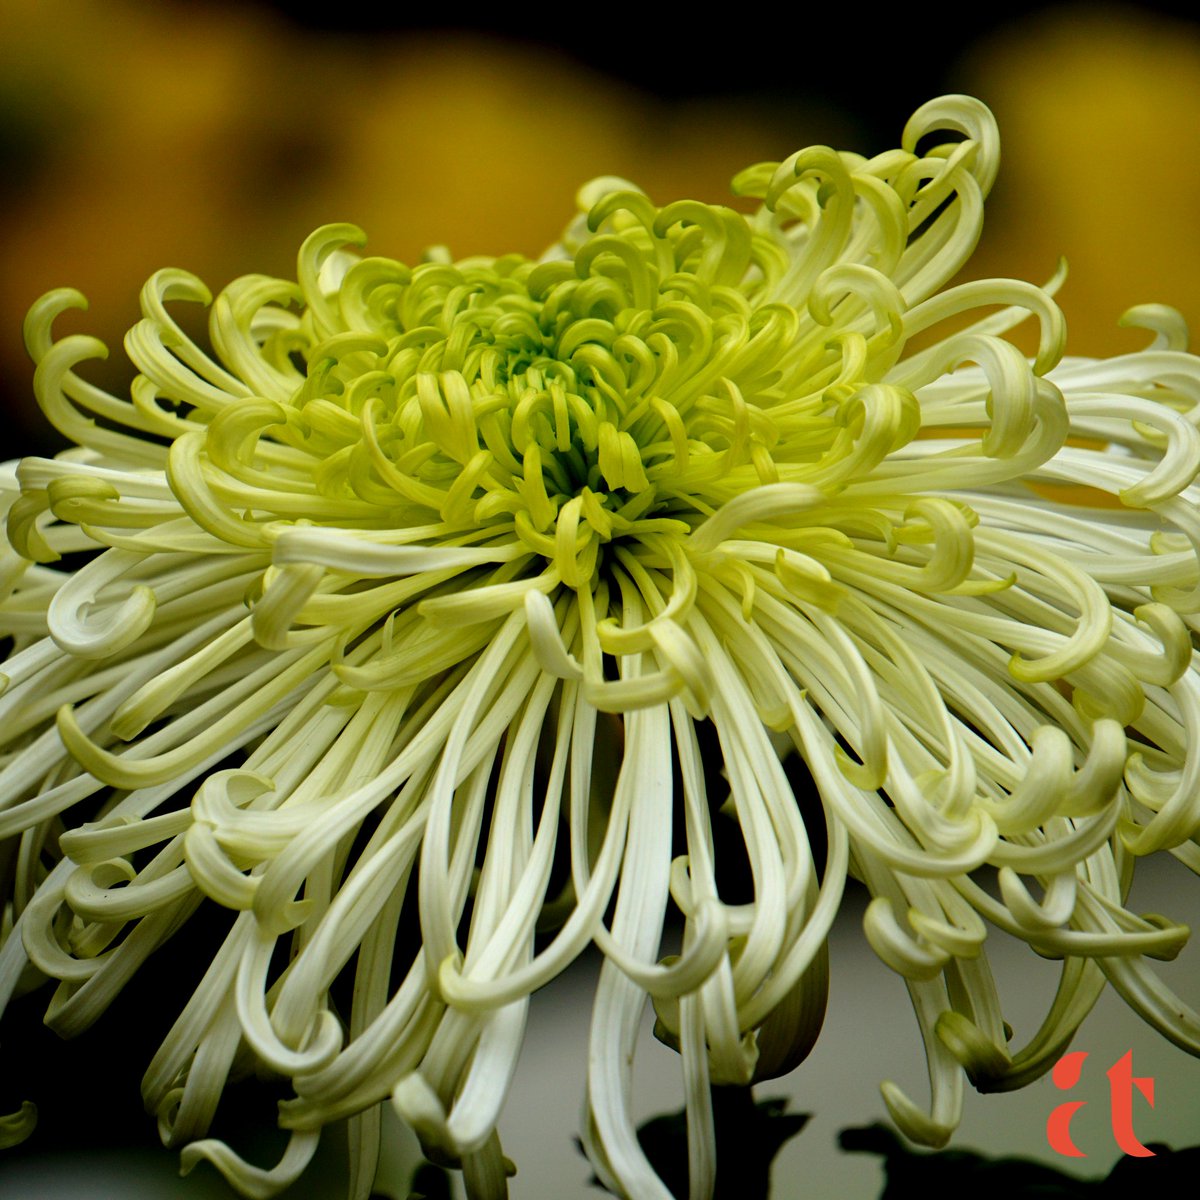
pixel 483 597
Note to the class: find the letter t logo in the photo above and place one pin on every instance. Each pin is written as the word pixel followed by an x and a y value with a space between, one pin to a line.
pixel 1121 1082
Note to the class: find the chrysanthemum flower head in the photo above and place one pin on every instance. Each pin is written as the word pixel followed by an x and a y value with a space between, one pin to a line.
pixel 432 594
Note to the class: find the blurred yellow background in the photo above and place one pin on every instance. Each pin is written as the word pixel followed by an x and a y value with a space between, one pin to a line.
pixel 215 137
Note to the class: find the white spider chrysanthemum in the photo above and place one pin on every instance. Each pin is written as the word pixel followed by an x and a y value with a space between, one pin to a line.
pixel 463 566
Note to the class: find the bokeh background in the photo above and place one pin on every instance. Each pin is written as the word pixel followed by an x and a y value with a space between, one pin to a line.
pixel 216 136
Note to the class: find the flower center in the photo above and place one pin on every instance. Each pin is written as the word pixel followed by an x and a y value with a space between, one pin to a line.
pixel 575 403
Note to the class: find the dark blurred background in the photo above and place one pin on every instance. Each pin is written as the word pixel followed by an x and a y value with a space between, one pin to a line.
pixel 215 136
